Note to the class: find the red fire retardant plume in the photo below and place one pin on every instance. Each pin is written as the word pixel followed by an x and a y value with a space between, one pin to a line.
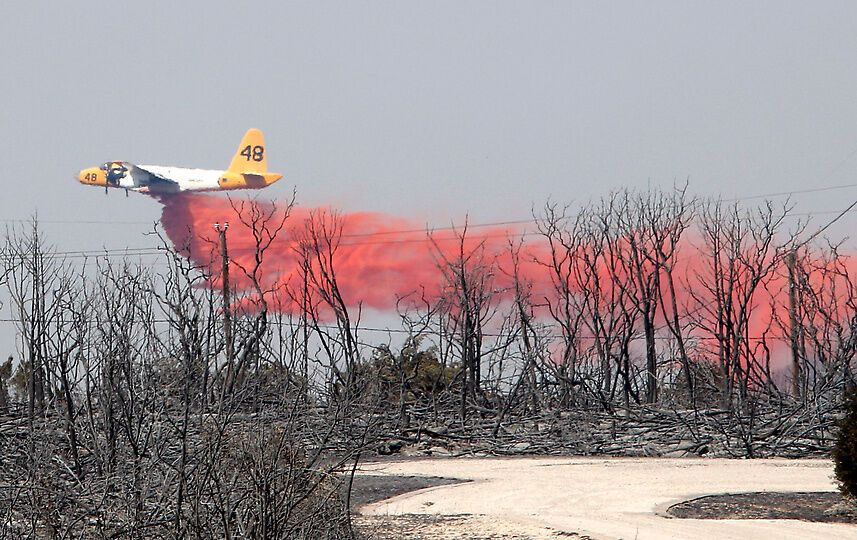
pixel 381 259
pixel 376 263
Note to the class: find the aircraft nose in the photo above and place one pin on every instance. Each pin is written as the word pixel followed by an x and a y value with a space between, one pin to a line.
pixel 89 176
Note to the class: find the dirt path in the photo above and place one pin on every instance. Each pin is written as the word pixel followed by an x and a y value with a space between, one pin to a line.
pixel 600 498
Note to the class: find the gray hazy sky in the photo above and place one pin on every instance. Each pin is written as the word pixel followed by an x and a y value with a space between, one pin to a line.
pixel 428 111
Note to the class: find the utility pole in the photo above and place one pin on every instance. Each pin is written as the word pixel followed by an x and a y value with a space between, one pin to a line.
pixel 305 315
pixel 227 310
pixel 794 331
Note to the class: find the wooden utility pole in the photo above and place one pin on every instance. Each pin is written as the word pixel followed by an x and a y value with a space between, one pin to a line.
pixel 794 331
pixel 305 315
pixel 227 310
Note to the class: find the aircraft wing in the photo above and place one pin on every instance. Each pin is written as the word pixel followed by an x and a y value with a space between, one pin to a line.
pixel 144 178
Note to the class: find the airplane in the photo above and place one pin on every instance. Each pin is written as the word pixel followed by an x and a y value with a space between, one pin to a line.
pixel 248 170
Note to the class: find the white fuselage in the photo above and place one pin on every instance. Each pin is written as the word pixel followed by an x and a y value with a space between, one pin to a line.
pixel 187 179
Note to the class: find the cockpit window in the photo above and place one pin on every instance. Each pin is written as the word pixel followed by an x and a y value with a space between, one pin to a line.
pixel 115 171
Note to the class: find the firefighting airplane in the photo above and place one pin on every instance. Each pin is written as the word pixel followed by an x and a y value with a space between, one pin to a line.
pixel 248 170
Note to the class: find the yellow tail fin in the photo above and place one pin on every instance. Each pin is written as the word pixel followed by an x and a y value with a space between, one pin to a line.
pixel 252 156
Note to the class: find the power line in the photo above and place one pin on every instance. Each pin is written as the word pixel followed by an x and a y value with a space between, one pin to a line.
pixel 371 329
pixel 829 223
pixel 157 251
pixel 429 229
pixel 793 192
pixel 79 221
pixel 63 255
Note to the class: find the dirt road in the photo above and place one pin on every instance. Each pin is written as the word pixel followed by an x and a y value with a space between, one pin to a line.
pixel 602 498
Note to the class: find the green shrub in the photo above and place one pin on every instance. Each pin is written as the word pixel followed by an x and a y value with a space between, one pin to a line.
pixel 845 451
pixel 412 375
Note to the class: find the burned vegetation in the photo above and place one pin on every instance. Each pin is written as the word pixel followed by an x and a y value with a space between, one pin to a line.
pixel 210 392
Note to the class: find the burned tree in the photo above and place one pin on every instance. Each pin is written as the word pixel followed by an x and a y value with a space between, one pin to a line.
pixel 264 223
pixel 739 254
pixel 322 298
pixel 468 303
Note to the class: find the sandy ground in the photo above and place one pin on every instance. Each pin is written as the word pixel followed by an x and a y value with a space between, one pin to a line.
pixel 602 498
